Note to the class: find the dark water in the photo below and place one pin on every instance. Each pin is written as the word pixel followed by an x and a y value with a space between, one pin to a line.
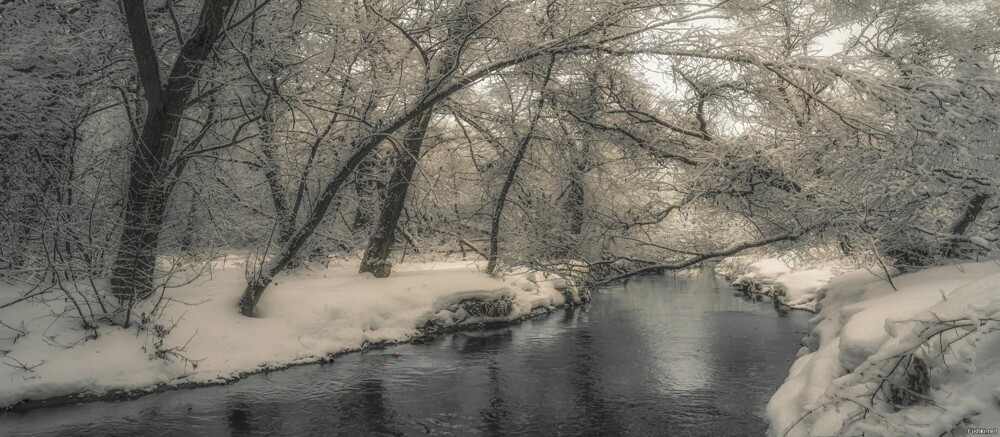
pixel 660 356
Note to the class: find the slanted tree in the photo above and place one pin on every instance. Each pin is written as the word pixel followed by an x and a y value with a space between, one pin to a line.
pixel 522 145
pixel 460 25
pixel 610 25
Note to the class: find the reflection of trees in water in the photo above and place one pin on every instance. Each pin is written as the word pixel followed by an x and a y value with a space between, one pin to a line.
pixel 364 409
pixel 357 408
pixel 485 341
pixel 248 418
pixel 597 415
pixel 239 418
pixel 488 346
pixel 571 314
pixel 494 417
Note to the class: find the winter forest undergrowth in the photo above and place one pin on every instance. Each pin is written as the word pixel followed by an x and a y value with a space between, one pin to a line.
pixel 532 149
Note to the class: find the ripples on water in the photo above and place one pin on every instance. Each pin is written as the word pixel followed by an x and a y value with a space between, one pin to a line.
pixel 660 356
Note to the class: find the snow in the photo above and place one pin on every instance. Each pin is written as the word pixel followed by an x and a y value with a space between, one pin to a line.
pixel 304 317
pixel 763 273
pixel 865 341
pixel 800 289
pixel 779 279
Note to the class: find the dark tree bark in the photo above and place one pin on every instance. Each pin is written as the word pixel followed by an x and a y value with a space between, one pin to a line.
pixel 961 225
pixel 368 188
pixel 376 259
pixel 491 264
pixel 972 211
pixel 575 200
pixel 576 192
pixel 150 164
pixel 279 195
pixel 445 61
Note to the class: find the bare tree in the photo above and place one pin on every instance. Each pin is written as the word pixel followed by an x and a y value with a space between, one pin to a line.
pixel 152 167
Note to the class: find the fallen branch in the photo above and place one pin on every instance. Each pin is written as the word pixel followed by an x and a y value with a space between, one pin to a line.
pixel 656 268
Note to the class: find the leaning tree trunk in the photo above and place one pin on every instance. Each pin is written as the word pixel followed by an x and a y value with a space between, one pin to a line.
pixel 376 259
pixel 256 285
pixel 367 188
pixel 972 210
pixel 149 186
pixel 494 255
pixel 364 147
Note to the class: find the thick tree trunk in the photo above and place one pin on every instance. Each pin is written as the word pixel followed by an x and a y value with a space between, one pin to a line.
pixel 574 205
pixel 132 277
pixel 576 192
pixel 376 259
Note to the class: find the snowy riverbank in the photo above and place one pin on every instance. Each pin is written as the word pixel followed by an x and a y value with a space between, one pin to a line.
pixel 774 278
pixel 306 317
pixel 923 359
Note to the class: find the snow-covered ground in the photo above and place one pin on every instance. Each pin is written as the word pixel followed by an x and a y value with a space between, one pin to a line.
pixel 779 279
pixel 920 360
pixel 304 317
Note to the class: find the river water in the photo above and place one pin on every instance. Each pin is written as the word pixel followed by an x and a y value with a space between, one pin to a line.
pixel 667 355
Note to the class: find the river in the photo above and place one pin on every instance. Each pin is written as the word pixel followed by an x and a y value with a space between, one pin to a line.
pixel 661 355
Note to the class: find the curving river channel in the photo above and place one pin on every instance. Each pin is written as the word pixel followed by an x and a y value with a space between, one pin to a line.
pixel 666 355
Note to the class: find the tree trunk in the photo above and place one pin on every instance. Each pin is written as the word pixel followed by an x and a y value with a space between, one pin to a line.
pixel 279 196
pixel 362 149
pixel 491 264
pixel 145 205
pixel 972 211
pixel 132 276
pixel 368 189
pixel 376 259
pixel 576 193
pixel 961 225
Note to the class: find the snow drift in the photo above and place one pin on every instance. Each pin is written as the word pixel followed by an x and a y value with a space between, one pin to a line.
pixel 306 317
pixel 921 361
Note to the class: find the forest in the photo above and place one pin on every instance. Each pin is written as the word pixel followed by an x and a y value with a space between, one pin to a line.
pixel 141 140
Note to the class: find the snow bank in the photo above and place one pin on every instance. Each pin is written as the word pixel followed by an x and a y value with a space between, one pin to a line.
pixel 923 360
pixel 304 317
pixel 779 279
pixel 762 274
pixel 801 289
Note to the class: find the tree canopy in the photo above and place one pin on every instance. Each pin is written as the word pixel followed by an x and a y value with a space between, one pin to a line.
pixel 601 139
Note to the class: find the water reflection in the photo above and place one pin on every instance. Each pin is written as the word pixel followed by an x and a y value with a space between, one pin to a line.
pixel 662 356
